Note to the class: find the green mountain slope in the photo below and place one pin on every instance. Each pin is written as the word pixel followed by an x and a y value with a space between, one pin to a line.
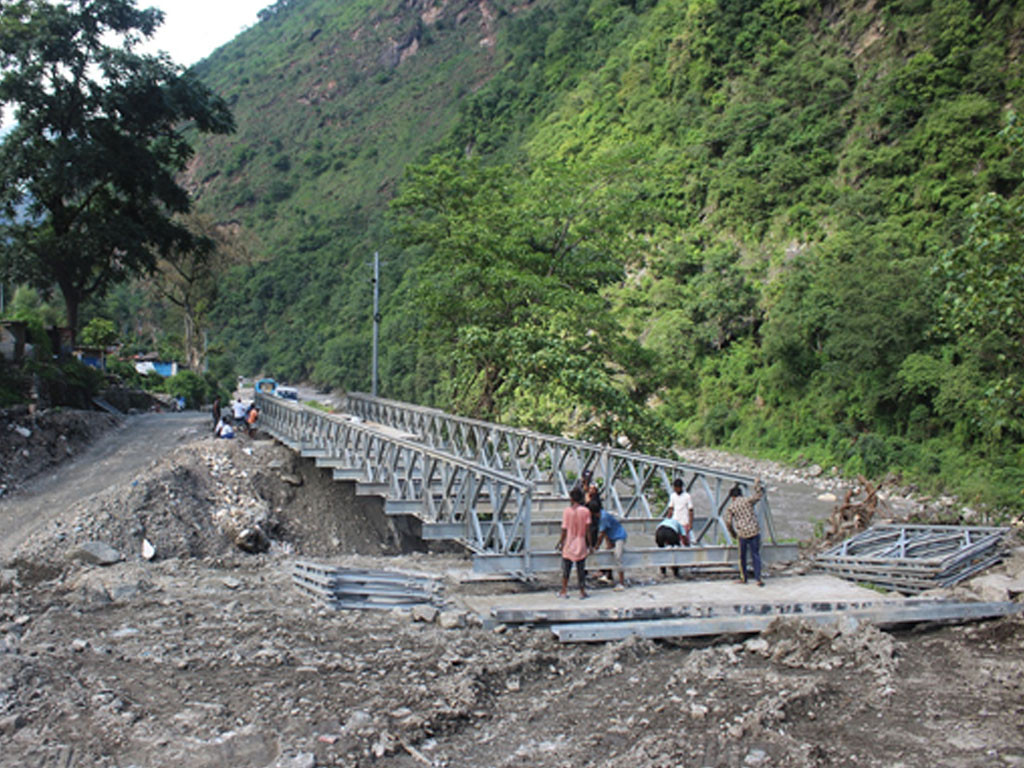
pixel 750 222
pixel 332 101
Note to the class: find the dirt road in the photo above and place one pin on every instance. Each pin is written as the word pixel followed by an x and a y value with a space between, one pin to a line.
pixel 116 458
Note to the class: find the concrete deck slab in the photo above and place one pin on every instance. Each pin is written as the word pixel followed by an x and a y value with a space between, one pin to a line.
pixel 814 588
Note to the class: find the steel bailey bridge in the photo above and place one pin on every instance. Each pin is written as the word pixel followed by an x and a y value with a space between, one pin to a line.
pixel 499 491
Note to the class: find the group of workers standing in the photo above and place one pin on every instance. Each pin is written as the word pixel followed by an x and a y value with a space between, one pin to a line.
pixel 586 525
pixel 240 415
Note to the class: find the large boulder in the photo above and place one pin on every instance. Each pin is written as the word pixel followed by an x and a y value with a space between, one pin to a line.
pixel 992 587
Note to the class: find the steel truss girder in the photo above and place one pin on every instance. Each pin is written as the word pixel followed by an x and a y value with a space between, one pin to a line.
pixel 575 613
pixel 493 507
pixel 914 558
pixel 634 485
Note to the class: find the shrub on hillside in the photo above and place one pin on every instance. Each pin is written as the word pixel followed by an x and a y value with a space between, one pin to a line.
pixel 188 384
pixel 13 387
pixel 65 382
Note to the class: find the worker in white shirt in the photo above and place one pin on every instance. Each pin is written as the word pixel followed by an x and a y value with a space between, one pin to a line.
pixel 680 509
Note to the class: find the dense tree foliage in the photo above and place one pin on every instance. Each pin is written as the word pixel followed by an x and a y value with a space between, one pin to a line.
pixel 90 162
pixel 509 289
pixel 770 225
pixel 978 384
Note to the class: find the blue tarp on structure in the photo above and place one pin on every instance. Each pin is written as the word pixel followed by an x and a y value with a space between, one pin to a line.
pixel 93 361
pixel 146 367
pixel 165 369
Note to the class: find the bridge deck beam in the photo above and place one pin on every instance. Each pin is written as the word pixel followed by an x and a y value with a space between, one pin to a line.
pixel 632 558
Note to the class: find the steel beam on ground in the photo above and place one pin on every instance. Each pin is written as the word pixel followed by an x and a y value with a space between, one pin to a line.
pixel 913 558
pixel 580 613
pixel 633 558
pixel 359 601
pixel 338 574
pixel 588 632
pixel 361 588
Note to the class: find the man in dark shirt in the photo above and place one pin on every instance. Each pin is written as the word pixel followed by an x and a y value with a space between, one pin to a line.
pixel 592 496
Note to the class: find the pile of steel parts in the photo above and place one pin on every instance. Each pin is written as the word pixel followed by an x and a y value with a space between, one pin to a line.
pixel 348 588
pixel 914 558
pixel 855 514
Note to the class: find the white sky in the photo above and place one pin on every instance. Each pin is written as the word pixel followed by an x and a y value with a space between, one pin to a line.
pixel 193 29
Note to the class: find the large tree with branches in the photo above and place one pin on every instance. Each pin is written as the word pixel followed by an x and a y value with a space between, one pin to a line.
pixel 190 279
pixel 88 173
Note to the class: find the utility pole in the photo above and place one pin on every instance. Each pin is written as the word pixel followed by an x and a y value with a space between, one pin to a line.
pixel 376 318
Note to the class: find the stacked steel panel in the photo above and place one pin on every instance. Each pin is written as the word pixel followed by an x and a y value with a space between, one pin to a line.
pixel 914 558
pixel 348 588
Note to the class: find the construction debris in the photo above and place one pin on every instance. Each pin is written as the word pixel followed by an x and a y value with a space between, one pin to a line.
pixel 855 514
pixel 914 558
pixel 360 588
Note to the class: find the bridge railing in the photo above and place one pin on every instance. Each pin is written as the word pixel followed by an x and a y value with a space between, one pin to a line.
pixel 492 508
pixel 634 485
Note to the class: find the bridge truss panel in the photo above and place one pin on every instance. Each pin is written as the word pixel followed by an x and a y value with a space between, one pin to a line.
pixel 634 485
pixel 493 508
pixel 914 558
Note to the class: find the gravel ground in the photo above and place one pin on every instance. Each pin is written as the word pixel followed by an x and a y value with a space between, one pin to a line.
pixel 205 655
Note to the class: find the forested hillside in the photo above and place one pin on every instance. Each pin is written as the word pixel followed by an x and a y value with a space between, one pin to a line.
pixel 784 227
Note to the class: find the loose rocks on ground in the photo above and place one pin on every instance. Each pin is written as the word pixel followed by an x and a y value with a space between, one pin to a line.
pixel 206 655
